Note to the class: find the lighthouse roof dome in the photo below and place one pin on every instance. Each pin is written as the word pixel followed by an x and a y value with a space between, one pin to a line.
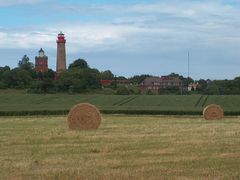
pixel 41 53
pixel 41 50
pixel 61 33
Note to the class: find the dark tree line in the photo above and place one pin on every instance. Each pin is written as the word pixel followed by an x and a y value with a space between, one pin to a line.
pixel 221 87
pixel 80 77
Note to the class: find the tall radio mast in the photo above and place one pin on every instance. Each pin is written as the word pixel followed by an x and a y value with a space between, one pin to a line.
pixel 188 64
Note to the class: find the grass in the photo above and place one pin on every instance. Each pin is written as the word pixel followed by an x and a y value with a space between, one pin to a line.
pixel 230 102
pixel 124 147
pixel 13 103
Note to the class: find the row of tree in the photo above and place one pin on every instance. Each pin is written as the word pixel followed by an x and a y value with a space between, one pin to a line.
pixel 212 87
pixel 80 77
pixel 220 87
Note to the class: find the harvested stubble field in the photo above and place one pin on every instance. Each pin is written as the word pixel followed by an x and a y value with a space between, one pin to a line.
pixel 124 147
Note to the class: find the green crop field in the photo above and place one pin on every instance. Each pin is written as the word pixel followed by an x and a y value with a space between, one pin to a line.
pixel 20 104
pixel 124 147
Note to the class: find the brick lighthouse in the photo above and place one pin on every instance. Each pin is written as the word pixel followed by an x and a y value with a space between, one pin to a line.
pixel 61 53
pixel 41 62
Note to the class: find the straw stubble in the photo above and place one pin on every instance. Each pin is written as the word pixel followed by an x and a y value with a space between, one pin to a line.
pixel 213 112
pixel 84 116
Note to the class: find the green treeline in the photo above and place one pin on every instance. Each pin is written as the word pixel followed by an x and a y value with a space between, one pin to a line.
pixel 78 78
pixel 81 78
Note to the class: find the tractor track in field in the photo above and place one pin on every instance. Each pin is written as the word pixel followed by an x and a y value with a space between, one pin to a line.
pixel 198 101
pixel 129 100
pixel 205 101
pixel 202 101
pixel 124 101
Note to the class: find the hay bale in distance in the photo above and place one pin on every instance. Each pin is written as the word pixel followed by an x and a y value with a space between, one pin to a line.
pixel 213 112
pixel 84 116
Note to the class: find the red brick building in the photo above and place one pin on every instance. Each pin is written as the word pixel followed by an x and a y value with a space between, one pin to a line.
pixel 154 84
pixel 106 82
pixel 41 62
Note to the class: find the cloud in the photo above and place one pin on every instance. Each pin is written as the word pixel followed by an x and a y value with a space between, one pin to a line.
pixel 87 37
pixel 18 2
pixel 159 31
pixel 182 21
pixel 24 40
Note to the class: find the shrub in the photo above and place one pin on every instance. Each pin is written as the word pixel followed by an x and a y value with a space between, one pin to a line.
pixel 122 90
pixel 107 91
pixel 3 85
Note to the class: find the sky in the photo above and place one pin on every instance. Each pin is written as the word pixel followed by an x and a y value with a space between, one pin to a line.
pixel 128 37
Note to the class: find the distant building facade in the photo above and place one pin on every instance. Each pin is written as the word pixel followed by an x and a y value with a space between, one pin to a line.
pixel 41 62
pixel 154 84
pixel 106 82
pixel 193 86
pixel 61 53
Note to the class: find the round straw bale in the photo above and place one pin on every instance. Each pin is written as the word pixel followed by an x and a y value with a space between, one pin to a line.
pixel 84 116
pixel 213 112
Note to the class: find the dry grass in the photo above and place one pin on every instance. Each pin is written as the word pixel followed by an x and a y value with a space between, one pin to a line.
pixel 124 147
pixel 213 112
pixel 84 116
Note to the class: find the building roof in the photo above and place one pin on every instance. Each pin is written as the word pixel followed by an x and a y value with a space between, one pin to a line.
pixel 41 54
pixel 61 33
pixel 169 79
pixel 149 81
pixel 41 50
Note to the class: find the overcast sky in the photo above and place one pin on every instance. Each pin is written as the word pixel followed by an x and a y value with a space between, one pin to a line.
pixel 128 37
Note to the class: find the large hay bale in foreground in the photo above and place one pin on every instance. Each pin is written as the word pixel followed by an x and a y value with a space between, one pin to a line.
pixel 213 112
pixel 84 116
